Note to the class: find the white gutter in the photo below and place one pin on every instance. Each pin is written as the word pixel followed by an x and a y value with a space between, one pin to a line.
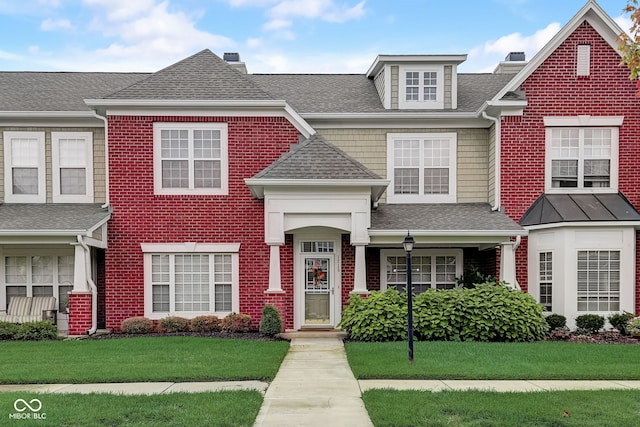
pixel 497 132
pixel 106 157
pixel 452 233
pixel 92 286
pixel 47 114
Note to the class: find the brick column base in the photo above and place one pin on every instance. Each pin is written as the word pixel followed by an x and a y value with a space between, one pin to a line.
pixel 79 313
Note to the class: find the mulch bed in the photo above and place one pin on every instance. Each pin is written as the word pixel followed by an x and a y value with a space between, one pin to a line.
pixel 256 336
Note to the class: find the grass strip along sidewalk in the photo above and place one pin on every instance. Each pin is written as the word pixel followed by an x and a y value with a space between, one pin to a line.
pixel 499 361
pixel 141 359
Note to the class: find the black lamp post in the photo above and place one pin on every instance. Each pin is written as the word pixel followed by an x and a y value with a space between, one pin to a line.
pixel 408 247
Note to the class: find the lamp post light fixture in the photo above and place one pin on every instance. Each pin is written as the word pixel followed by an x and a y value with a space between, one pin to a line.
pixel 408 247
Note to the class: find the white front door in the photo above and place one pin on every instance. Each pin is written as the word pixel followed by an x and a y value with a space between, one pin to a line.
pixel 317 284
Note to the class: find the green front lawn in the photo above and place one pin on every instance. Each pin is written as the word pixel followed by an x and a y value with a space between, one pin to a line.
pixel 599 408
pixel 237 408
pixel 140 359
pixel 481 361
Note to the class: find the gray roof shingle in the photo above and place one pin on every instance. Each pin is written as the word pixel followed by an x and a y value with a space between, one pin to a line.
pixel 355 93
pixel 51 91
pixel 61 218
pixel 441 217
pixel 203 76
pixel 555 208
pixel 316 159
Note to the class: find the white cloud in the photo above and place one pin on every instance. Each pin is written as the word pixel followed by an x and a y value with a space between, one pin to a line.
pixel 322 63
pixel 277 24
pixel 316 9
pixel 118 10
pixel 55 24
pixel 624 22
pixel 485 57
pixel 253 42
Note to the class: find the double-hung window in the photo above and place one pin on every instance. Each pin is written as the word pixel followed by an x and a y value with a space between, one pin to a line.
pixel 545 277
pixel 429 269
pixel 72 161
pixel 598 280
pixel 24 167
pixel 190 158
pixel 582 158
pixel 421 87
pixel 190 279
pixel 422 168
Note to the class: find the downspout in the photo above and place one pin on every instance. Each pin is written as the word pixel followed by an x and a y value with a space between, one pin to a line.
pixel 106 157
pixel 92 286
pixel 498 131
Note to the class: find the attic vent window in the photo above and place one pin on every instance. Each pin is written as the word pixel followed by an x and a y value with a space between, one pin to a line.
pixel 584 60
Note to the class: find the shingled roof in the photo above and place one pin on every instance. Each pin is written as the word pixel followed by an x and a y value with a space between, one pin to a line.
pixel 48 218
pixel 443 217
pixel 203 76
pixel 51 91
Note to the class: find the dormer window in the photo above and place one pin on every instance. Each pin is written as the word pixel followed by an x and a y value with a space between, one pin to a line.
pixel 421 87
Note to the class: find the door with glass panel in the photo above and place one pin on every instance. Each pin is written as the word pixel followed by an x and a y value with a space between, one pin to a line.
pixel 318 283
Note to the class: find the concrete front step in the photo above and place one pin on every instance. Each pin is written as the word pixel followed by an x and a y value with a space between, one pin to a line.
pixel 314 333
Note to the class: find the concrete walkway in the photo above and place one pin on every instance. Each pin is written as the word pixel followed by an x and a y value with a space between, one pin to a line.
pixel 314 387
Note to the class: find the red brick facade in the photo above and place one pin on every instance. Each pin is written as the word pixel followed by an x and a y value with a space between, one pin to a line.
pixel 555 90
pixel 80 313
pixel 139 216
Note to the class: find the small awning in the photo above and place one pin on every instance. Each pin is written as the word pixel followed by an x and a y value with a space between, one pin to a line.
pixel 559 208
pixel 52 219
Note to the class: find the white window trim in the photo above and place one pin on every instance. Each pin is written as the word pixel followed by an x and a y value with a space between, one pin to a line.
pixel 150 249
pixel 612 123
pixel 423 198
pixel 55 163
pixel 9 197
pixel 224 160
pixel 402 87
pixel 535 290
pixel 458 253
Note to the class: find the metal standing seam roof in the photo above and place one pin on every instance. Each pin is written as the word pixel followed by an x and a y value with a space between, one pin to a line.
pixel 55 218
pixel 557 208
pixel 316 159
pixel 445 217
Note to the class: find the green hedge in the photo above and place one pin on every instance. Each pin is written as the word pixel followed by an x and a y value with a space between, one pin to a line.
pixel 488 312
pixel 29 331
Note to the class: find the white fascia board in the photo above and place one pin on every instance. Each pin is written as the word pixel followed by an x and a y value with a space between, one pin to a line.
pixel 592 13
pixel 49 119
pixel 47 114
pixel 47 233
pixel 381 60
pixel 234 108
pixel 585 224
pixel 257 185
pixel 397 120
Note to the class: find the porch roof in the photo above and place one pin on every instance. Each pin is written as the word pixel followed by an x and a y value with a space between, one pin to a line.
pixel 51 219
pixel 557 208
pixel 443 219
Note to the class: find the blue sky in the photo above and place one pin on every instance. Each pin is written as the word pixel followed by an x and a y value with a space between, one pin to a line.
pixel 274 36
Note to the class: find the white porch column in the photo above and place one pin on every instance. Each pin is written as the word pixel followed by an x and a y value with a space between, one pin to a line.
pixel 80 270
pixel 508 263
pixel 275 285
pixel 360 272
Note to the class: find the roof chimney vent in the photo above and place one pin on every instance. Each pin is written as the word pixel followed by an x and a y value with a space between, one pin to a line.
pixel 231 56
pixel 515 56
pixel 233 59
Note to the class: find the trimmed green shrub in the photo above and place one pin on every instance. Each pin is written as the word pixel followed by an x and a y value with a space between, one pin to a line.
pixel 37 331
pixel 382 316
pixel 137 325
pixel 488 312
pixel 205 324
pixel 556 321
pixel 173 324
pixel 270 322
pixel 236 322
pixel 590 322
pixel 620 321
pixel 8 331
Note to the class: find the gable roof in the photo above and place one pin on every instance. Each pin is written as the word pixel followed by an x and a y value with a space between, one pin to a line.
pixel 559 208
pixel 202 76
pixel 320 163
pixel 53 91
pixel 590 12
